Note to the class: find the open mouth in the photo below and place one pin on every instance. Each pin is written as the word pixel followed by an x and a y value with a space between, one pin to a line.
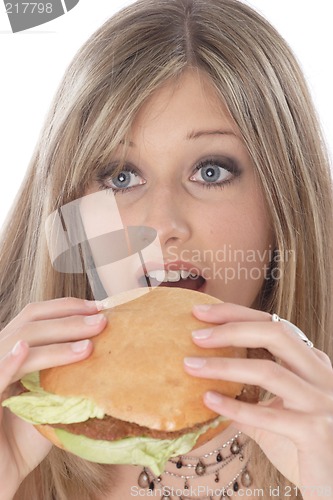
pixel 174 278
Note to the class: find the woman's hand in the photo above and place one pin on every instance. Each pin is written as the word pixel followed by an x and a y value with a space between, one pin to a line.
pixel 44 334
pixel 295 427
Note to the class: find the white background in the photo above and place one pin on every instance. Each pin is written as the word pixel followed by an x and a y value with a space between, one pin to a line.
pixel 32 63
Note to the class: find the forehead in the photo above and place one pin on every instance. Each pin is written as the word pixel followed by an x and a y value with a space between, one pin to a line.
pixel 183 105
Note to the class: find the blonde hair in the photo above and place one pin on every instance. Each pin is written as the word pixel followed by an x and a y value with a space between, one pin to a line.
pixel 121 65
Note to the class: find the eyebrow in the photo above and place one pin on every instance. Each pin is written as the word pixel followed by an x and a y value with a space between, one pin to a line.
pixel 199 133
pixel 195 134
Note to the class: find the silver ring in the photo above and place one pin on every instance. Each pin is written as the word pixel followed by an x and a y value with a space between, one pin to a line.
pixel 294 329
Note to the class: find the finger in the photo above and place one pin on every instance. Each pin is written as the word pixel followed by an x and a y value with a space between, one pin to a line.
pixel 49 309
pixel 40 358
pixel 295 425
pixel 45 332
pixel 226 313
pixel 296 393
pixel 278 339
pixel 73 328
pixel 10 365
pixel 59 308
pixel 323 357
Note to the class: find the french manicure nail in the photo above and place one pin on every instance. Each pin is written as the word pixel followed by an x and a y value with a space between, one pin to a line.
pixel 202 334
pixel 80 346
pixel 202 308
pixel 94 304
pixel 18 347
pixel 94 319
pixel 195 362
pixel 213 398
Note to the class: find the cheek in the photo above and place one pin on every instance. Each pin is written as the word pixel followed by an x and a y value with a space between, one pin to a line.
pixel 251 232
pixel 242 241
pixel 248 219
pixel 243 224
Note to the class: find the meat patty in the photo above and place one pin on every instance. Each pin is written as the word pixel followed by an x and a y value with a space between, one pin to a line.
pixel 112 429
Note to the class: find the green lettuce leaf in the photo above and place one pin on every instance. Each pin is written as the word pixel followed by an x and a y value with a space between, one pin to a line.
pixel 42 407
pixel 144 451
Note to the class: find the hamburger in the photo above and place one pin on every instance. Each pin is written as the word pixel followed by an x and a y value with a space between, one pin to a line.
pixel 131 402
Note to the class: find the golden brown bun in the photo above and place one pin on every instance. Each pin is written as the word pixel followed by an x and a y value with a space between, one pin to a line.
pixel 136 370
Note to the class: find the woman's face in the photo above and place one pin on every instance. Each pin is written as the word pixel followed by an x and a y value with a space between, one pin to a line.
pixel 188 175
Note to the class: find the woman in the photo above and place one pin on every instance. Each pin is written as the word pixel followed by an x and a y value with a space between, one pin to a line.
pixel 165 100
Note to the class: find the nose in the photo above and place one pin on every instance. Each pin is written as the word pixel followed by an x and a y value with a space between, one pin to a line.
pixel 166 211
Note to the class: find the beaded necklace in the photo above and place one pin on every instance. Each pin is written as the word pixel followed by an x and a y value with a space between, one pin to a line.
pixel 189 468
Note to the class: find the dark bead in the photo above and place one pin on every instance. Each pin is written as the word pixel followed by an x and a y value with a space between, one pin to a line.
pixel 219 457
pixel 235 448
pixel 224 495
pixel 217 478
pixel 166 494
pixel 235 486
pixel 179 464
pixel 246 479
pixel 200 468
pixel 151 485
pixel 143 480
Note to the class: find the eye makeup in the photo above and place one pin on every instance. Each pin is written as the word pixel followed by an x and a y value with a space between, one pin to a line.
pixel 215 172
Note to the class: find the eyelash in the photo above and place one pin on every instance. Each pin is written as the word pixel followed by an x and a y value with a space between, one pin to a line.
pixel 227 164
pixel 109 174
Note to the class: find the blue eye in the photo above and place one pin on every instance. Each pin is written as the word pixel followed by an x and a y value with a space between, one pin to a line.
pixel 212 173
pixel 124 181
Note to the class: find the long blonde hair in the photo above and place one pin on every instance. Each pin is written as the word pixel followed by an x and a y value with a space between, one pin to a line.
pixel 120 66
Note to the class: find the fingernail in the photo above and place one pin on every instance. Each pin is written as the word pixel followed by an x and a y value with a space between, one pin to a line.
pixel 18 348
pixel 80 346
pixel 195 362
pixel 202 334
pixel 213 398
pixel 202 308
pixel 94 304
pixel 94 319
